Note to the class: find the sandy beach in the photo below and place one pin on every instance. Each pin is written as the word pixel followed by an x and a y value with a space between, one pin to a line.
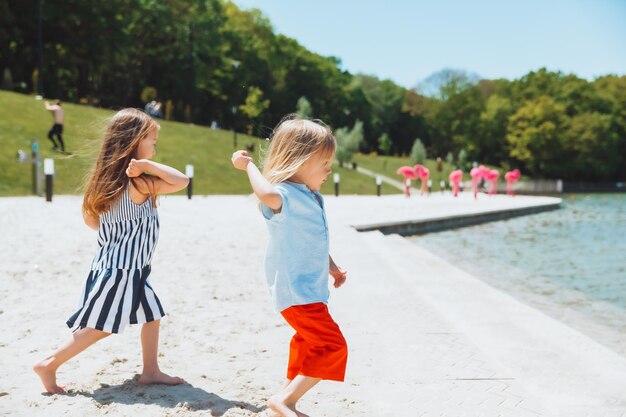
pixel 425 338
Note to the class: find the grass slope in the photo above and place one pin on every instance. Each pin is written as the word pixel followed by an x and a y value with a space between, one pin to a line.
pixel 25 119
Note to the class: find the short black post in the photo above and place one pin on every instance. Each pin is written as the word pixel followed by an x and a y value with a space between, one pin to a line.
pixel 189 173
pixel 336 179
pixel 234 110
pixel 48 170
pixel 442 185
pixel 379 182
pixel 35 154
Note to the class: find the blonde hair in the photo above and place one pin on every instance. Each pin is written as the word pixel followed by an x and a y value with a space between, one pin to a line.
pixel 108 180
pixel 293 142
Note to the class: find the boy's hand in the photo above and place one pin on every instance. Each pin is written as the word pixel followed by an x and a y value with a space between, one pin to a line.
pixel 241 160
pixel 339 276
pixel 135 168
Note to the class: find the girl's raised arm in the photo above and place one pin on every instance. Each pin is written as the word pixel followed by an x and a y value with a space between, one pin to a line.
pixel 263 189
pixel 166 179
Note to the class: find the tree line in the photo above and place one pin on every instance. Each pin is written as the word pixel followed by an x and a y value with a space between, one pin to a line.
pixel 209 61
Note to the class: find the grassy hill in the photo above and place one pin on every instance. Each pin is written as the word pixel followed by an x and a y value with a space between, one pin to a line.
pixel 24 119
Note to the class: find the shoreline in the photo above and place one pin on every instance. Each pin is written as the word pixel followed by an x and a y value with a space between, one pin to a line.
pixel 574 309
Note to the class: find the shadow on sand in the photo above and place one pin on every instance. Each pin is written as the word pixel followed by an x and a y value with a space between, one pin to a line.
pixel 183 396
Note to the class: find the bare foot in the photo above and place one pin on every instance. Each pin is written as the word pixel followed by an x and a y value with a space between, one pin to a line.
pixel 48 376
pixel 159 378
pixel 282 409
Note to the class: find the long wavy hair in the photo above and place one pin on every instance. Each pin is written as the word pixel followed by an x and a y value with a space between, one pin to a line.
pixel 108 179
pixel 293 142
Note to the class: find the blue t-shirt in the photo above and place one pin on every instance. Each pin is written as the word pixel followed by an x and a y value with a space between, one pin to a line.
pixel 296 262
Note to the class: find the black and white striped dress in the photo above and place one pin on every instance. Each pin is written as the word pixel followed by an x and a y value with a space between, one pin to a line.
pixel 117 291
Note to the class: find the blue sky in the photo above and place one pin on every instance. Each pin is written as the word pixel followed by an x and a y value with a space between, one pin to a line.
pixel 406 41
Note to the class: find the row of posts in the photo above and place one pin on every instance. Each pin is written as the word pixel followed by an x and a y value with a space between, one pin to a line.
pixel 189 173
pixel 48 170
pixel 379 183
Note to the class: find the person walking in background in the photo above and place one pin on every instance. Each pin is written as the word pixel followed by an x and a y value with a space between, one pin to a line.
pixel 297 261
pixel 154 109
pixel 120 202
pixel 57 127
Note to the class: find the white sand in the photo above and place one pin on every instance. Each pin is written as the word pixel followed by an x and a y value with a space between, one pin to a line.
pixel 416 348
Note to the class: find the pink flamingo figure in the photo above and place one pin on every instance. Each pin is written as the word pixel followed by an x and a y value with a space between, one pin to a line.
pixel 477 174
pixel 422 173
pixel 511 178
pixel 492 175
pixel 409 174
pixel 455 178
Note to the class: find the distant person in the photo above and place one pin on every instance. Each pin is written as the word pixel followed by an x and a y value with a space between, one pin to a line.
pixel 120 202
pixel 149 106
pixel 57 127
pixel 297 261
pixel 153 109
pixel 157 110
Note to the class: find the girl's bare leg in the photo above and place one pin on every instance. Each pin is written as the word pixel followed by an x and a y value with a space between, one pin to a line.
pixel 47 368
pixel 150 347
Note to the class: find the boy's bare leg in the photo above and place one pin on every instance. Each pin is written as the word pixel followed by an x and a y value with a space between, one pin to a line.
pixel 47 368
pixel 272 413
pixel 150 348
pixel 284 403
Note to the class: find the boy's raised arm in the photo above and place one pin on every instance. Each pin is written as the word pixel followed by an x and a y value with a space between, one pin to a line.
pixel 260 185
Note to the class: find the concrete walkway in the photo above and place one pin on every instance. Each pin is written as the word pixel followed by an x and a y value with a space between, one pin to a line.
pixel 449 344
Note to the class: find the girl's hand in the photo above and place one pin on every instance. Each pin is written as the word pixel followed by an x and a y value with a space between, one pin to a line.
pixel 241 160
pixel 135 168
pixel 339 275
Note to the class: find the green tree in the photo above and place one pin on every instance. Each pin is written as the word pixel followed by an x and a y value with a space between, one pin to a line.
pixel 418 152
pixel 303 108
pixel 612 100
pixel 254 106
pixel 462 158
pixel 490 143
pixel 384 144
pixel 348 142
pixel 385 98
pixel 594 147
pixel 450 158
pixel 446 82
pixel 455 114
pixel 534 136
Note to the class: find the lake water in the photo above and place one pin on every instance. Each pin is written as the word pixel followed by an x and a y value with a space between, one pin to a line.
pixel 569 263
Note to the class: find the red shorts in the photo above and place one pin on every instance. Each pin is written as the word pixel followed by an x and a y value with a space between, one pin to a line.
pixel 318 349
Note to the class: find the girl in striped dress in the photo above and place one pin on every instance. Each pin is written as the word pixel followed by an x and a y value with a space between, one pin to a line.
pixel 120 202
